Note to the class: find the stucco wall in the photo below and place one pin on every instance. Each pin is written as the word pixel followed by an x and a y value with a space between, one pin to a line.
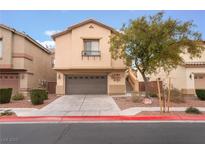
pixel 6 60
pixel 182 78
pixel 41 68
pixel 69 49
pixel 60 87
pixel 69 60
pixel 116 85
pixel 28 59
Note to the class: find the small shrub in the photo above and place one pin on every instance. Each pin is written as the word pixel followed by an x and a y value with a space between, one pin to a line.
pixel 152 94
pixel 37 96
pixel 7 113
pixel 5 95
pixel 45 94
pixel 18 96
pixel 200 93
pixel 136 97
pixel 192 110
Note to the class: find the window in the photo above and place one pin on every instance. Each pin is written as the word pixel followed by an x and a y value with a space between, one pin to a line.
pixel 91 47
pixel 1 48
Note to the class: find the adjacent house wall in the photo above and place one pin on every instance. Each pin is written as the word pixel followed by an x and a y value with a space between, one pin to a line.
pixel 6 60
pixel 182 77
pixel 41 68
pixel 22 56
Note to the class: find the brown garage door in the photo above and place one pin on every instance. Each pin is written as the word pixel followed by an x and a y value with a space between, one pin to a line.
pixel 9 81
pixel 82 84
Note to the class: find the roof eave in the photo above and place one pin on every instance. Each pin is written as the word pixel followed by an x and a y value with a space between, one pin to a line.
pixel 26 36
pixel 80 24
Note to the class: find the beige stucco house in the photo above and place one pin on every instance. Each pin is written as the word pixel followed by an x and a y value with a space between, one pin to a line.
pixel 187 77
pixel 24 63
pixel 83 61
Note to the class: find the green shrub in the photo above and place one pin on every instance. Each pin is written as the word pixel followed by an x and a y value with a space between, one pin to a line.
pixel 37 96
pixel 192 110
pixel 200 93
pixel 5 95
pixel 18 96
pixel 152 94
pixel 45 94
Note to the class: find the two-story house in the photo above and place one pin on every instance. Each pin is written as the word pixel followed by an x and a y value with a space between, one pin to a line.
pixel 24 63
pixel 186 77
pixel 83 62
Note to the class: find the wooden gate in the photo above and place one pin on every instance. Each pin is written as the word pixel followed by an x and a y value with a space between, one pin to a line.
pixel 51 87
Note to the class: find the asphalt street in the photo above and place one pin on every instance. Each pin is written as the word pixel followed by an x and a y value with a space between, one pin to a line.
pixel 101 133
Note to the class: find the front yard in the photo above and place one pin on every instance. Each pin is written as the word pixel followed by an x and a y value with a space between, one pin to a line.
pixel 27 103
pixel 127 102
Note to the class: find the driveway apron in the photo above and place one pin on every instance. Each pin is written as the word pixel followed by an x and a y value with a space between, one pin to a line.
pixel 79 105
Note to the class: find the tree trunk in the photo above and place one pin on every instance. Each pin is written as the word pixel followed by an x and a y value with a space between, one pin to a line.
pixel 146 85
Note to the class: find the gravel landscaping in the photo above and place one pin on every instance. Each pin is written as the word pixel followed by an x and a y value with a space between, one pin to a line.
pixel 28 104
pixel 150 113
pixel 127 102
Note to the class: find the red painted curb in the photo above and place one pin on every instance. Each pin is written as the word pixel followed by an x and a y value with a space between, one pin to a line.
pixel 99 118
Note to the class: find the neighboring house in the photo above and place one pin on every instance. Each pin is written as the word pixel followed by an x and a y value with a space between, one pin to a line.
pixel 24 63
pixel 187 77
pixel 83 61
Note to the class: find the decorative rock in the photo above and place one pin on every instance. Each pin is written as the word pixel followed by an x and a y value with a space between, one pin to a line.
pixel 147 101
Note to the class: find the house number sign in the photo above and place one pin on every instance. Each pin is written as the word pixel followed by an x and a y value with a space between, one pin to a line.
pixel 116 77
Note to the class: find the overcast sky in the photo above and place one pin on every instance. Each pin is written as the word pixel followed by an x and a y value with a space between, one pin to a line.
pixel 41 24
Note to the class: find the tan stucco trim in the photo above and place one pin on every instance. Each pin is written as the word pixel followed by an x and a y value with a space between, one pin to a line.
pixel 29 73
pixel 116 89
pixel 81 24
pixel 81 70
pixel 24 89
pixel 5 66
pixel 194 66
pixel 188 91
pixel 90 38
pixel 22 55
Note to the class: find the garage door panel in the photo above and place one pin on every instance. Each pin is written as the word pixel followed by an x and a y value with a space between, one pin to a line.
pixel 86 85
pixel 9 81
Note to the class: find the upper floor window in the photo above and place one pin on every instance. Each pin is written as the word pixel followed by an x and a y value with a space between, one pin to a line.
pixel 1 47
pixel 91 47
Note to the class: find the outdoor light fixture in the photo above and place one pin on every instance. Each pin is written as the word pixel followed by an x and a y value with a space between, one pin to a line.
pixel 190 76
pixel 59 76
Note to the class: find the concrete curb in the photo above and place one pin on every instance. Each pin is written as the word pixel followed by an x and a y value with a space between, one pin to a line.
pixel 99 118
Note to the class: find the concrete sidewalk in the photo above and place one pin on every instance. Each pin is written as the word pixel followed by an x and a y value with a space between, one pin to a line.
pixel 136 110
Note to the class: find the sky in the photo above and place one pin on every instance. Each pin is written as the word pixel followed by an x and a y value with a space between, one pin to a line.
pixel 41 24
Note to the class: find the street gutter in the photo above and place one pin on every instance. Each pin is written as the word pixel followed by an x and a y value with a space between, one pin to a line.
pixel 99 118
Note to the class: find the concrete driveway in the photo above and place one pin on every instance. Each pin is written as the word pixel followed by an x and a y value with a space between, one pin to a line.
pixel 79 105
